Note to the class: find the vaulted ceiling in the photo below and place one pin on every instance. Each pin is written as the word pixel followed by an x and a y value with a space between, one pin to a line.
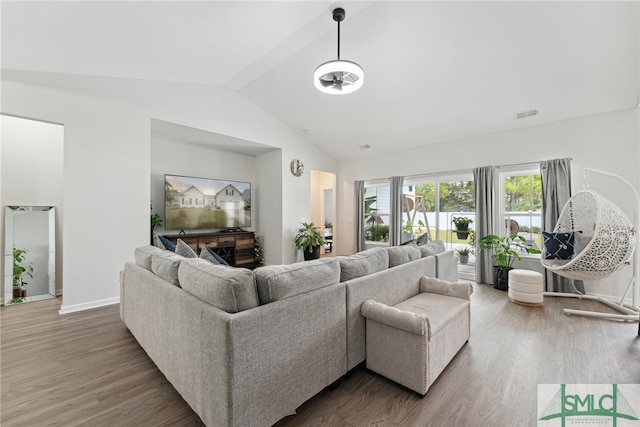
pixel 434 71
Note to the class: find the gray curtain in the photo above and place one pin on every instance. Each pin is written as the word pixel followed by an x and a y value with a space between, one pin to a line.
pixel 556 191
pixel 359 193
pixel 395 216
pixel 485 214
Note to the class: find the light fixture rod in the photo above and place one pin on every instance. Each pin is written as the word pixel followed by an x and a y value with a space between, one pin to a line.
pixel 338 40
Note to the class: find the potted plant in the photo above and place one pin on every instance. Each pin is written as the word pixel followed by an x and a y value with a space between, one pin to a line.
pixel 505 250
pixel 155 221
pixel 462 226
pixel 20 269
pixel 309 240
pixel 463 254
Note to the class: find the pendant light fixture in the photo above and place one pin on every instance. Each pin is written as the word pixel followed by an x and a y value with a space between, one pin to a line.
pixel 338 77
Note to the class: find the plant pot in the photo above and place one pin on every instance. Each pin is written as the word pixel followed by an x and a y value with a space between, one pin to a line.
pixel 315 254
pixel 501 278
pixel 17 292
pixel 23 292
pixel 462 235
pixel 464 259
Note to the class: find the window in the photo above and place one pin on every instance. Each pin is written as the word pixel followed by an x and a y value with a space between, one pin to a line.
pixel 443 197
pixel 521 204
pixel 376 211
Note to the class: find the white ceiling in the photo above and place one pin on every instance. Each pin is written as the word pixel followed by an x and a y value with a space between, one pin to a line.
pixel 434 71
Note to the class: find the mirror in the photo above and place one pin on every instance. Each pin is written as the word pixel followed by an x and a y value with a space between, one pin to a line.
pixel 29 254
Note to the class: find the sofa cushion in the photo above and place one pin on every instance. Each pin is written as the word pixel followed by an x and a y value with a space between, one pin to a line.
pixel 363 263
pixel 227 288
pixel 142 255
pixel 277 282
pixel 401 254
pixel 432 248
pixel 165 265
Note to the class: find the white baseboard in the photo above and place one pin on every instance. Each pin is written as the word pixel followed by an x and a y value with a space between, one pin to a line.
pixel 88 305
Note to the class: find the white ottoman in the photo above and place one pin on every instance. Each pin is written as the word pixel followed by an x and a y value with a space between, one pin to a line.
pixel 526 287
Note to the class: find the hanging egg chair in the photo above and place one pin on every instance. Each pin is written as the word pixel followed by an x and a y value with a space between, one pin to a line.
pixel 602 236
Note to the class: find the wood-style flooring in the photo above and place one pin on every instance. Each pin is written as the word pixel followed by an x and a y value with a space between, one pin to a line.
pixel 85 369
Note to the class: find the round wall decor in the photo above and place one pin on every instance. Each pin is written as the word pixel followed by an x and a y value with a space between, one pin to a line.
pixel 297 168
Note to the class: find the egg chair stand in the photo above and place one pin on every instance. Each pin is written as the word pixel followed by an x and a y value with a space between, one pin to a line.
pixel 605 241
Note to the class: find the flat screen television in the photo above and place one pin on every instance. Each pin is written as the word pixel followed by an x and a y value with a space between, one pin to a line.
pixel 203 203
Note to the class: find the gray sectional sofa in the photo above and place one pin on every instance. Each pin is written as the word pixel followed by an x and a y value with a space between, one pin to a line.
pixel 246 348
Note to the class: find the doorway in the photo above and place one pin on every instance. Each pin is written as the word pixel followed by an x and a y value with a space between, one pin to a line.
pixel 323 208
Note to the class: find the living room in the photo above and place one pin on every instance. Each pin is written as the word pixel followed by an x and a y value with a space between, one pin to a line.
pixel 113 163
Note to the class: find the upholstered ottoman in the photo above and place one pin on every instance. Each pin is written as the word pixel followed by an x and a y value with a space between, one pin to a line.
pixel 526 287
pixel 413 341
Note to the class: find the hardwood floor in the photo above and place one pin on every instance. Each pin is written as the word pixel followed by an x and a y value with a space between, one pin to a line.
pixel 86 369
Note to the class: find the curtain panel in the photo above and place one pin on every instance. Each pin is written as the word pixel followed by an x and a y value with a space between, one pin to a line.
pixel 395 214
pixel 484 178
pixel 556 192
pixel 359 215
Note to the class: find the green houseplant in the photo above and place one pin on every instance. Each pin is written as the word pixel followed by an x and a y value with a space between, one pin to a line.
pixel 461 224
pixel 504 252
pixel 20 269
pixel 309 239
pixel 155 221
pixel 463 254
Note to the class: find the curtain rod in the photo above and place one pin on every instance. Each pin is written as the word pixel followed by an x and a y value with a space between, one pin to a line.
pixel 461 171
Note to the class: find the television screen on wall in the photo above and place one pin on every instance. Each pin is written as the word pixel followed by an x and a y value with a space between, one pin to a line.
pixel 203 203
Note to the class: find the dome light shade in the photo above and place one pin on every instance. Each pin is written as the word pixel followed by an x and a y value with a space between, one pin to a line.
pixel 338 77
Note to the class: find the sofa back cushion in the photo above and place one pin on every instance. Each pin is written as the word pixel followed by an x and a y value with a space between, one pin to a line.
pixel 277 282
pixel 165 265
pixel 432 248
pixel 363 263
pixel 227 288
pixel 142 255
pixel 402 254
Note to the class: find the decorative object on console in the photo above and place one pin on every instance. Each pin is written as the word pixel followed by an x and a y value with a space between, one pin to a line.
pixel 338 77
pixel 309 240
pixel 155 221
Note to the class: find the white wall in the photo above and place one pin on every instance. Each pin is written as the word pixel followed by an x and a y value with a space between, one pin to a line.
pixel 609 142
pixel 32 172
pixel 107 172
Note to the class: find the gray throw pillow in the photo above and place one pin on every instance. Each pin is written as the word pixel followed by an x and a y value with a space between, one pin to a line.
pixel 185 250
pixel 206 255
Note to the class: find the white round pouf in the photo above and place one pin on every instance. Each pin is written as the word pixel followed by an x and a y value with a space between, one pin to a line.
pixel 526 287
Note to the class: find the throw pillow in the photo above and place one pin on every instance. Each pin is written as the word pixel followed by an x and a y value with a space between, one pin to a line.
pixel 206 255
pixel 185 250
pixel 558 245
pixel 168 245
pixel 218 258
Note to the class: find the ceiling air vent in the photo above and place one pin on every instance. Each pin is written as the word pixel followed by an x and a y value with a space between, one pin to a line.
pixel 526 114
